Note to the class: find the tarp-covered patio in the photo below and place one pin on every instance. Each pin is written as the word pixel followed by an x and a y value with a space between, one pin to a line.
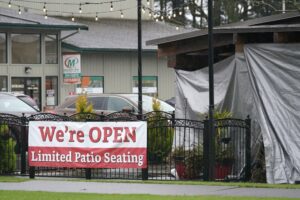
pixel 256 73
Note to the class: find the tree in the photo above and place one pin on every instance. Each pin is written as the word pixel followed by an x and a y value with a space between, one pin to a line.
pixel 194 12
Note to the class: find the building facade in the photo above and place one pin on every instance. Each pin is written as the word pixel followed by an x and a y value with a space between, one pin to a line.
pixel 33 48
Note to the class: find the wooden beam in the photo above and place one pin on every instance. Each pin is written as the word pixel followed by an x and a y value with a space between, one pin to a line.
pixel 192 45
pixel 186 62
pixel 239 43
pixel 286 37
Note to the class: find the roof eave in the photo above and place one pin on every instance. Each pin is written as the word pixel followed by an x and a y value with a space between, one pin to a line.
pixel 86 50
pixel 43 26
pixel 225 30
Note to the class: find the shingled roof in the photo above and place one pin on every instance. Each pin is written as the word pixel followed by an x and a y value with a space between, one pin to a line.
pixel 118 34
pixel 9 18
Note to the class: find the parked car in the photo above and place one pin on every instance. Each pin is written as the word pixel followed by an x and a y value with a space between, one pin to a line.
pixel 108 103
pixel 17 104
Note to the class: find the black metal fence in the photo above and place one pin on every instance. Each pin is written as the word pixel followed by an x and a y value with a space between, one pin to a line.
pixel 176 148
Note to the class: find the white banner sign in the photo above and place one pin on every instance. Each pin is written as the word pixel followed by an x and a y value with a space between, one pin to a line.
pixel 88 144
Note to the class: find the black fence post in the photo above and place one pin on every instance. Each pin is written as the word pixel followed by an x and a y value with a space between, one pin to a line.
pixel 206 150
pixel 31 172
pixel 145 170
pixel 23 144
pixel 248 149
pixel 88 173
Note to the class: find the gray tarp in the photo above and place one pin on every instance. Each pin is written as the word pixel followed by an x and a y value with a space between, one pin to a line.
pixel 263 83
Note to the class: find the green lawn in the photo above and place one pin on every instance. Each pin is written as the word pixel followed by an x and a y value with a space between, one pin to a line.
pixel 20 195
pixel 13 179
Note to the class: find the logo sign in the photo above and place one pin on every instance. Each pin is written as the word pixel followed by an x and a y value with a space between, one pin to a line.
pixel 88 144
pixel 72 68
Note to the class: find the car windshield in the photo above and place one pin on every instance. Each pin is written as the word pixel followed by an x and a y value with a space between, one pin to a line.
pixel 12 104
pixel 29 101
pixel 147 103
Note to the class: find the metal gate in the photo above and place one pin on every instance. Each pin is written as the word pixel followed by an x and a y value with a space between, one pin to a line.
pixel 176 148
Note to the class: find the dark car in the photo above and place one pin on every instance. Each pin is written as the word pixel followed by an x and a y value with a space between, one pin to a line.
pixel 108 103
pixel 17 104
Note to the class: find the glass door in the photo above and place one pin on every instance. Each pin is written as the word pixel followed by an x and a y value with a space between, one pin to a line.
pixel 30 86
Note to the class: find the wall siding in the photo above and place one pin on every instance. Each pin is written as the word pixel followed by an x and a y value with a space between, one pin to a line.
pixel 118 68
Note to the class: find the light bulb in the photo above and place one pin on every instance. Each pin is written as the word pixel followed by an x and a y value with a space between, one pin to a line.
pixel 111 6
pixel 80 10
pixel 9 4
pixel 44 8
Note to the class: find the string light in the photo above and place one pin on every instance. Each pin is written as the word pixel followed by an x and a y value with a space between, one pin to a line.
pixel 44 8
pixel 174 15
pixel 46 16
pixel 73 18
pixel 143 10
pixel 150 14
pixel 180 13
pixel 80 10
pixel 20 11
pixel 187 8
pixel 96 18
pixel 111 6
pixel 122 15
pixel 148 2
pixel 177 28
pixel 162 17
pixel 169 16
pixel 9 4
pixel 156 19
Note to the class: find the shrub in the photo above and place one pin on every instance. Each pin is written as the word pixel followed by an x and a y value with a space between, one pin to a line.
pixel 7 154
pixel 82 104
pixel 160 135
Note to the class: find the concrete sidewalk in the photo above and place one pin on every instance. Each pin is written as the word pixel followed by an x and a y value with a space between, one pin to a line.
pixel 155 189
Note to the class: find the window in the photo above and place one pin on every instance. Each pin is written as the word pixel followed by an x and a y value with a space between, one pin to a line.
pixel 90 85
pixel 99 103
pixel 51 49
pixel 118 104
pixel 3 48
pixel 51 90
pixel 149 85
pixel 26 48
pixel 3 84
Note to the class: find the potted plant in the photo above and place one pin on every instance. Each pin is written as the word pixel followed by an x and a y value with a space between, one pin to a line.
pixel 189 162
pixel 223 147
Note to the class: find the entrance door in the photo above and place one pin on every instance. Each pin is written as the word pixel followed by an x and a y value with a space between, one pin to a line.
pixel 30 86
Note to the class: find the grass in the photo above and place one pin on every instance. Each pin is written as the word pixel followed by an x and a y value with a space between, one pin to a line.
pixel 13 179
pixel 20 195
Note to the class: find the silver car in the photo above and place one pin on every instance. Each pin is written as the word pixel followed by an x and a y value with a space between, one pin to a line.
pixel 108 103
pixel 17 104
